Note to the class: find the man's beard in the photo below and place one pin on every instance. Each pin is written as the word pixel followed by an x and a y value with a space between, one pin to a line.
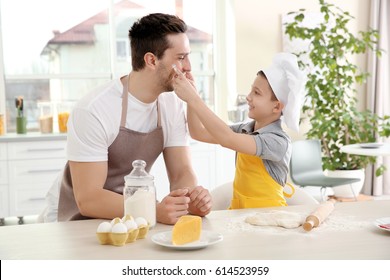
pixel 166 78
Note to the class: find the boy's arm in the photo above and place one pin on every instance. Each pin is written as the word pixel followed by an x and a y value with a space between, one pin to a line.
pixel 197 130
pixel 221 133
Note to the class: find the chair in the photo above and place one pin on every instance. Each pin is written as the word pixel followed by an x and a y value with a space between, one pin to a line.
pixel 49 213
pixel 300 197
pixel 306 167
pixel 222 196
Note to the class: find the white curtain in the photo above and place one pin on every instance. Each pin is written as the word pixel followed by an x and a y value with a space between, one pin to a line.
pixel 378 91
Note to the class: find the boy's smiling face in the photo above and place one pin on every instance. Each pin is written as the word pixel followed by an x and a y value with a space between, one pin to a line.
pixel 262 102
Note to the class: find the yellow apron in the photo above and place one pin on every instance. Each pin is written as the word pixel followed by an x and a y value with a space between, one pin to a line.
pixel 253 187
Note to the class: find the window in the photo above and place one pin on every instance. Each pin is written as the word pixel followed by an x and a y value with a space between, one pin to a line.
pixel 123 49
pixel 64 49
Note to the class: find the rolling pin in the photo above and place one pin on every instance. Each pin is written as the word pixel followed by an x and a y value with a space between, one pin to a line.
pixel 319 215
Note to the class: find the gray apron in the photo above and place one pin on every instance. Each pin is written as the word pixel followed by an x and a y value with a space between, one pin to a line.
pixel 128 146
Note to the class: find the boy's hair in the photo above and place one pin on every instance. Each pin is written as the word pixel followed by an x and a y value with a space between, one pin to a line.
pixel 273 96
pixel 149 34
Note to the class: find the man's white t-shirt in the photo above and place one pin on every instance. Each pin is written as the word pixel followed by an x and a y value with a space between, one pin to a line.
pixel 94 122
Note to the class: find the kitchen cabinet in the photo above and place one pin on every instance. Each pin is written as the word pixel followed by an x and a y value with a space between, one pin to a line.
pixel 3 183
pixel 28 166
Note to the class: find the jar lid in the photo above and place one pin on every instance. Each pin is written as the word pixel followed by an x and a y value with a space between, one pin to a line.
pixel 139 171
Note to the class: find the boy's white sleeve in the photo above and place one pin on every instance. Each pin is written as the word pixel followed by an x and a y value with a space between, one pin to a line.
pixel 87 138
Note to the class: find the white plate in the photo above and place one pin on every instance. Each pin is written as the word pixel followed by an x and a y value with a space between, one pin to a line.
pixel 206 238
pixel 382 221
pixel 371 145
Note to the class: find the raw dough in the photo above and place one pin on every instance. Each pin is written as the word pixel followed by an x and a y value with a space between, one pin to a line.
pixel 276 218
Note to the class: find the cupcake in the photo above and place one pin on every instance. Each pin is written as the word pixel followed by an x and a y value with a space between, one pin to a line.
pixel 103 233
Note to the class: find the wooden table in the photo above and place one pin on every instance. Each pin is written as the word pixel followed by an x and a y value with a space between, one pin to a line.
pixel 356 238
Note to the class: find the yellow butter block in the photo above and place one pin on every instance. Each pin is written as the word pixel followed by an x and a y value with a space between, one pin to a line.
pixel 186 230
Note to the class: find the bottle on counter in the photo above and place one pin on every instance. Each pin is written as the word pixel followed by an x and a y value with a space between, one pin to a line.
pixel 2 124
pixel 21 120
pixel 139 193
pixel 63 110
pixel 45 117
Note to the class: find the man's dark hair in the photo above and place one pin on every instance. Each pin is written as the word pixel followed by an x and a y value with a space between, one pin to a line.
pixel 149 34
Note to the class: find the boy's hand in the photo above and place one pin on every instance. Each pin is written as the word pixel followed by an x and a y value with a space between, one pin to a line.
pixel 184 85
pixel 200 201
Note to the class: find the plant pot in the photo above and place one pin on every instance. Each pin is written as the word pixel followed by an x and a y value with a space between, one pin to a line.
pixel 344 191
pixel 21 125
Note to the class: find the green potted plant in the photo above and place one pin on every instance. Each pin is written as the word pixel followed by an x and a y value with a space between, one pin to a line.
pixel 331 99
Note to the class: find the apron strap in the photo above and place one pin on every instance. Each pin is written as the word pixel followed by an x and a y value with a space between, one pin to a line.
pixel 288 195
pixel 158 114
pixel 125 102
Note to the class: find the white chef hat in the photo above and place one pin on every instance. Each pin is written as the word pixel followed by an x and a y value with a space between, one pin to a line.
pixel 287 82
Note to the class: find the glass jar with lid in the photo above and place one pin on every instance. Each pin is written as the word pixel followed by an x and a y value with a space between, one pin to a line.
pixel 139 193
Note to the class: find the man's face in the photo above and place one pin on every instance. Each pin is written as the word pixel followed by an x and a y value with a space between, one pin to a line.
pixel 176 54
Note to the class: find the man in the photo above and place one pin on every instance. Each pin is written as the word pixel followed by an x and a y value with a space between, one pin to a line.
pixel 135 117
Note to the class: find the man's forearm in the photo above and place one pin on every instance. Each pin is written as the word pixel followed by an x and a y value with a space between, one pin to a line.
pixel 186 179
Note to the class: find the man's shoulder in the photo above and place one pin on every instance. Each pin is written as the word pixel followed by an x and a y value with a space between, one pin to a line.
pixel 103 94
pixel 169 96
pixel 170 102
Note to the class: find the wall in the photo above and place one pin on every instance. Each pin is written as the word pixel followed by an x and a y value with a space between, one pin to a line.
pixel 259 35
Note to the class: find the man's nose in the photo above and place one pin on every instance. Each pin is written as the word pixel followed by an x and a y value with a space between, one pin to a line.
pixel 186 65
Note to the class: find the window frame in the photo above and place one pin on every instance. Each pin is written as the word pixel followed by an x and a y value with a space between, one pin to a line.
pixel 224 61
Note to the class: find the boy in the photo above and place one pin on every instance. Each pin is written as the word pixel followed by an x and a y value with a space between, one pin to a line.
pixel 263 148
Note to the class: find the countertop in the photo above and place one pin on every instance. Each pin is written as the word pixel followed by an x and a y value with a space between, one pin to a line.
pixel 348 233
pixel 32 136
